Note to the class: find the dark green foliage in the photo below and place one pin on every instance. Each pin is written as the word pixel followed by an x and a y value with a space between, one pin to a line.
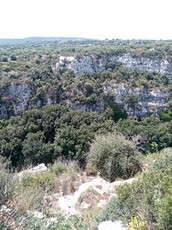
pixel 4 59
pixel 13 58
pixel 165 115
pixel 115 112
pixel 53 132
pixel 75 132
pixel 152 131
pixel 35 150
pixel 114 157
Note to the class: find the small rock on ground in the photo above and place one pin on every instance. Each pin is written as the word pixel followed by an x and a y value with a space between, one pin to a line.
pixel 109 225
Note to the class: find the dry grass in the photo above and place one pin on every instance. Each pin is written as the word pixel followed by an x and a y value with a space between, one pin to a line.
pixel 90 197
pixel 89 217
pixel 28 199
pixel 68 182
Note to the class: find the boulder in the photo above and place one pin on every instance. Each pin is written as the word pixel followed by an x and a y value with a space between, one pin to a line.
pixel 109 225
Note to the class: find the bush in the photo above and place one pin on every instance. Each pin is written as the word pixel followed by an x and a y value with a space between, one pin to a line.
pixel 4 59
pixel 13 58
pixel 146 201
pixel 45 181
pixel 28 199
pixel 113 156
pixel 158 160
pixel 30 190
pixel 137 223
pixel 6 181
pixel 60 167
pixel 73 222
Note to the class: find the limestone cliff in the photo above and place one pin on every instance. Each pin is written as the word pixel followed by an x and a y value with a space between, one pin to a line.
pixel 138 101
pixel 89 64
pixel 15 98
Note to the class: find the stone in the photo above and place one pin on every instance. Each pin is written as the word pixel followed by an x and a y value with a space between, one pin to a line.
pixel 36 214
pixel 109 225
pixel 37 169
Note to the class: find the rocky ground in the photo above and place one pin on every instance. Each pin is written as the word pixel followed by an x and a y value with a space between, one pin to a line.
pixel 89 192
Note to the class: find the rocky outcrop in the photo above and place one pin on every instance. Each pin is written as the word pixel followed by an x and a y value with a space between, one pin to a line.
pixel 89 64
pixel 14 98
pixel 85 64
pixel 138 101
pixel 92 192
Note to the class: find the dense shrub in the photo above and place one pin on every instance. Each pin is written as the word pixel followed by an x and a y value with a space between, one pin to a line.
pixel 50 133
pixel 158 160
pixel 6 181
pixel 61 223
pixel 45 181
pixel 13 57
pixel 59 167
pixel 152 131
pixel 113 156
pixel 147 199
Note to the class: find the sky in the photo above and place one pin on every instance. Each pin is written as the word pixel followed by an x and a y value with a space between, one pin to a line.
pixel 122 19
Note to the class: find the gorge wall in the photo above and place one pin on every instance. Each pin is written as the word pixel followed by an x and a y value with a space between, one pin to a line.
pixel 137 101
pixel 89 64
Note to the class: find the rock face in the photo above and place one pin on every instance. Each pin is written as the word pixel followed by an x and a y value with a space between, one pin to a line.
pixel 86 64
pixel 14 98
pixel 139 101
pixel 90 64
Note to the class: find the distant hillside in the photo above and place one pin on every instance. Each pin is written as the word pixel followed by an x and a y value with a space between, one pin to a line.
pixel 39 39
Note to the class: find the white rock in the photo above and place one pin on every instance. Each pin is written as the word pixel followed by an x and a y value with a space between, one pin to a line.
pixel 37 169
pixel 121 182
pixel 4 209
pixel 36 214
pixel 85 206
pixel 101 203
pixel 68 203
pixel 109 225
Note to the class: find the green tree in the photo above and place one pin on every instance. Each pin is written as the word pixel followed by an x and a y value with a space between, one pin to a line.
pixel 35 150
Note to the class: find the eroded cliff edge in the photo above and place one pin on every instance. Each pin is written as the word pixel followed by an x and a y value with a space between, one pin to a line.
pixel 137 100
